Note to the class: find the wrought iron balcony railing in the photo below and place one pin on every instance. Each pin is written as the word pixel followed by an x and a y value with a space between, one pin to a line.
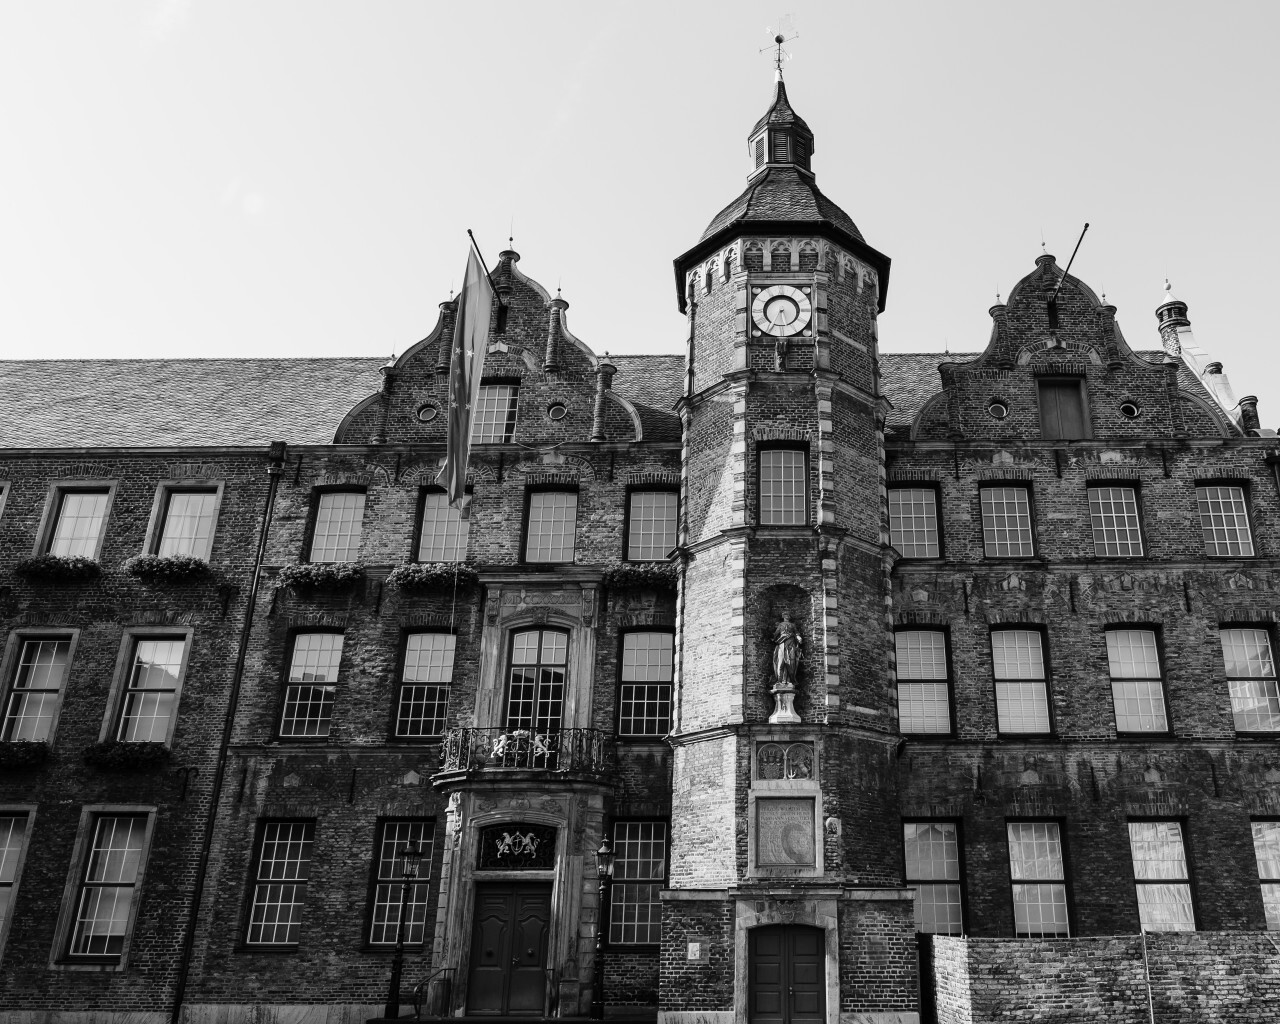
pixel 588 751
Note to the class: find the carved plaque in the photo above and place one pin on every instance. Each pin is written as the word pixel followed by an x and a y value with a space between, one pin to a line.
pixel 784 833
pixel 517 846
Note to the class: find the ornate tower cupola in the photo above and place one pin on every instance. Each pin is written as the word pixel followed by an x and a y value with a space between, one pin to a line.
pixel 781 138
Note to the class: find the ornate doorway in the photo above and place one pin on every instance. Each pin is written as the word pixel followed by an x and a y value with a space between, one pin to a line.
pixel 509 948
pixel 786 979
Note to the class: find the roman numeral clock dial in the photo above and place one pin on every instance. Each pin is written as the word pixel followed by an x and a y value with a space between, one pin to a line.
pixel 782 311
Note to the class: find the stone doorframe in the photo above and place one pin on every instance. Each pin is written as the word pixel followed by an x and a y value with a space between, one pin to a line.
pixel 816 913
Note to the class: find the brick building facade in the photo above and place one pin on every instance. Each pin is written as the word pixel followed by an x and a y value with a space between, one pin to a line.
pixel 837 648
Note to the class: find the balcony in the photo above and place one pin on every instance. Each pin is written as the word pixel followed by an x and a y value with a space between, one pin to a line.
pixel 564 752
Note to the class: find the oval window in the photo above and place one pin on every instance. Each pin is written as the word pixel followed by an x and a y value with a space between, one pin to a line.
pixel 1130 409
pixel 998 409
pixel 557 410
pixel 426 413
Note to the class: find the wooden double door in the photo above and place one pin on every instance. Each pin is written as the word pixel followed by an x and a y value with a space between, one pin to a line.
pixel 509 937
pixel 786 975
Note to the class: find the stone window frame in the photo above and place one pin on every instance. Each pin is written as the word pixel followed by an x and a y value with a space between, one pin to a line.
pixel 961 878
pixel 59 957
pixel 527 523
pixel 806 493
pixel 1050 732
pixel 123 669
pixel 1139 512
pixel 401 683
pixel 1189 881
pixel 623 633
pixel 1064 880
pixel 1023 485
pixel 9 665
pixel 165 489
pixel 53 511
pixel 948 682
pixel 313 516
pixel 631 492
pixel 1157 631
pixel 661 884
pixel 1246 499
pixel 16 810
pixel 420 523
pixel 255 866
pixel 286 668
pixel 424 880
pixel 935 488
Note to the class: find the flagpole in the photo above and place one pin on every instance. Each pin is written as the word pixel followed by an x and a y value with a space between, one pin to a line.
pixel 476 246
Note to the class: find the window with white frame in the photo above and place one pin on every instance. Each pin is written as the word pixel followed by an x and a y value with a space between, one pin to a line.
pixel 1137 685
pixel 784 489
pixel 13 833
pixel 924 698
pixel 339 519
pixel 1251 678
pixel 913 521
pixel 932 853
pixel 1224 520
pixel 1117 529
pixel 552 527
pixel 651 525
pixel 309 693
pixel 79 518
pixel 639 871
pixel 493 420
pixel 280 883
pixel 1162 877
pixel 1039 879
pixel 1006 522
pixel 108 887
pixel 188 518
pixel 38 682
pixel 444 533
pixel 536 679
pixel 1022 700
pixel 1266 847
pixel 424 685
pixel 644 697
pixel 393 837
pixel 150 700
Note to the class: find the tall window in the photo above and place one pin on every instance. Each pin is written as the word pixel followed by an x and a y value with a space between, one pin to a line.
pixel 151 691
pixel 1162 877
pixel 1251 677
pixel 1224 521
pixel 640 868
pixel 932 851
pixel 553 525
pixel 913 521
pixel 923 693
pixel 1062 409
pixel 393 837
pixel 535 683
pixel 1006 522
pixel 1266 846
pixel 79 519
pixel 339 518
pixel 1022 702
pixel 104 903
pixel 644 699
pixel 308 697
pixel 651 525
pixel 188 522
pixel 494 418
pixel 784 490
pixel 1117 531
pixel 38 681
pixel 280 885
pixel 1137 686
pixel 444 533
pixel 424 686
pixel 1038 877
pixel 13 830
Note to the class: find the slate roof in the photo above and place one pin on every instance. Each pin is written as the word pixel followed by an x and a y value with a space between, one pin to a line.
pixel 104 403
pixel 909 380
pixel 782 193
pixel 780 112
pixel 652 383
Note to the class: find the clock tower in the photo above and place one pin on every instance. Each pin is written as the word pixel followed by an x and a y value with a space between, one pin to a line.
pixel 786 899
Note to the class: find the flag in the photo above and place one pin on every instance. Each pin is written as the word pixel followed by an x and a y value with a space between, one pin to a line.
pixel 466 363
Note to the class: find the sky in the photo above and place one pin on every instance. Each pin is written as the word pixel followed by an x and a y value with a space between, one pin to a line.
pixel 188 178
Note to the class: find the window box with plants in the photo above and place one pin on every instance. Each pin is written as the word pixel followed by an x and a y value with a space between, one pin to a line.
pixel 167 568
pixel 19 755
pixel 59 569
pixel 661 576
pixel 434 576
pixel 320 576
pixel 117 755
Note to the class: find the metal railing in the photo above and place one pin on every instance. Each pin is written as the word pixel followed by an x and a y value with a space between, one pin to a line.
pixel 590 751
pixel 431 995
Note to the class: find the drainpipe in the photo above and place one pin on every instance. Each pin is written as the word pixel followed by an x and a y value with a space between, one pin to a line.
pixel 275 455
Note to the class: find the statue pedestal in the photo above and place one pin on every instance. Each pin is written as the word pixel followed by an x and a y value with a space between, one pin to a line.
pixel 784 712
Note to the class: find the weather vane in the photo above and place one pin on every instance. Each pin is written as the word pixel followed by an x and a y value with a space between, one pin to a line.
pixel 780 36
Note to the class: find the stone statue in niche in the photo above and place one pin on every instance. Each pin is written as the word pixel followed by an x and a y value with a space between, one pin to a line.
pixel 780 353
pixel 787 650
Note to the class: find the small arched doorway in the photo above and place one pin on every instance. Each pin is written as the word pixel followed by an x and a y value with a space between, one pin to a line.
pixel 786 975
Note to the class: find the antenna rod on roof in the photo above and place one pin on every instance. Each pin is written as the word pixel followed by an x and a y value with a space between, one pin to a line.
pixel 1054 296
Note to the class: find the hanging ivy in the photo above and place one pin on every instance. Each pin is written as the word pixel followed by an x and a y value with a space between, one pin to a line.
pixel 17 755
pixel 59 568
pixel 434 576
pixel 321 575
pixel 641 576
pixel 113 754
pixel 167 569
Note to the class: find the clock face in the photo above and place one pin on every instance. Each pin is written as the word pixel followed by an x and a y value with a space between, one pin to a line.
pixel 781 311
